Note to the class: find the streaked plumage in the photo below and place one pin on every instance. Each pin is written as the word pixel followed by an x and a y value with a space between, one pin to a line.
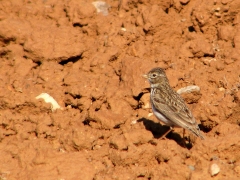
pixel 167 105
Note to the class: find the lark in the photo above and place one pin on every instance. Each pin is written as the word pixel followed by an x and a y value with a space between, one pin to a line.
pixel 168 106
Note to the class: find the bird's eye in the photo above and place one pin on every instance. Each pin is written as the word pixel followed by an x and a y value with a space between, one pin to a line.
pixel 154 75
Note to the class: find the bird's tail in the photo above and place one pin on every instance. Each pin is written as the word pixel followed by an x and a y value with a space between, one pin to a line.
pixel 196 131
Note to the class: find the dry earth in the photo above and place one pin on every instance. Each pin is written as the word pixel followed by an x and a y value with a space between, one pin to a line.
pixel 91 63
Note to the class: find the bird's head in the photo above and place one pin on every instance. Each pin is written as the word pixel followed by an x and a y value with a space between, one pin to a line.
pixel 156 76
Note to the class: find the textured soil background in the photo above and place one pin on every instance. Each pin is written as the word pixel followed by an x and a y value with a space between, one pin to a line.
pixel 92 64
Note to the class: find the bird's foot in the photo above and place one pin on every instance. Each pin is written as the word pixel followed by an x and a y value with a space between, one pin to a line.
pixel 166 133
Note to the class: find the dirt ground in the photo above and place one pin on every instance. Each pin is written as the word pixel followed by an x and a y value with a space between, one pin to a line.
pixel 91 62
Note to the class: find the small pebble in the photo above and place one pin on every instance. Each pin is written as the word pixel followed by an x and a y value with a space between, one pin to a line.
pixel 214 169
pixel 102 7
pixel 191 167
pixel 188 89
pixel 147 106
pixel 218 14
pixel 49 99
pixel 150 114
pixel 134 122
pixel 217 9
pixel 221 89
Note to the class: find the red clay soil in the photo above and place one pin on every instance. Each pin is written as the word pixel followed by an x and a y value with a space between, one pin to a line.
pixel 92 63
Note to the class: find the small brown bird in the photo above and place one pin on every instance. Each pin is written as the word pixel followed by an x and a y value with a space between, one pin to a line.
pixel 168 106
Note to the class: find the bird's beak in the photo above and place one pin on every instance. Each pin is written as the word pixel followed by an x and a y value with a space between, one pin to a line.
pixel 145 75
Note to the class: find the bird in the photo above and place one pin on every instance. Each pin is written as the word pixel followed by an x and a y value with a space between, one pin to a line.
pixel 168 106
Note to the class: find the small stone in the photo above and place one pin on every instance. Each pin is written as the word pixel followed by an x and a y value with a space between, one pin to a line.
pixel 188 89
pixel 150 114
pixel 214 169
pixel 147 106
pixel 192 168
pixel 123 29
pixel 221 89
pixel 218 15
pixel 217 9
pixel 134 122
pixel 49 99
pixel 102 7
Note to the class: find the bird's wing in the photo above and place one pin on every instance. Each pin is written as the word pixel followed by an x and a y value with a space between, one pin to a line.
pixel 175 110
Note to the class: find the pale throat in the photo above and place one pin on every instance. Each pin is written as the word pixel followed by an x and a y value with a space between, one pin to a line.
pixel 154 85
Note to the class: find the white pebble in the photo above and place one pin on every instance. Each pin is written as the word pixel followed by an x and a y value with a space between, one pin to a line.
pixel 147 106
pixel 188 89
pixel 134 122
pixel 150 114
pixel 49 99
pixel 214 169
pixel 191 167
pixel 101 7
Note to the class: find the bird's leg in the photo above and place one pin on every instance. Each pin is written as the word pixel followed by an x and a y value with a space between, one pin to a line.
pixel 166 133
pixel 183 133
pixel 183 139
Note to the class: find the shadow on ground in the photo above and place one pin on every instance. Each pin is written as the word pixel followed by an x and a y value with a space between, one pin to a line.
pixel 159 130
